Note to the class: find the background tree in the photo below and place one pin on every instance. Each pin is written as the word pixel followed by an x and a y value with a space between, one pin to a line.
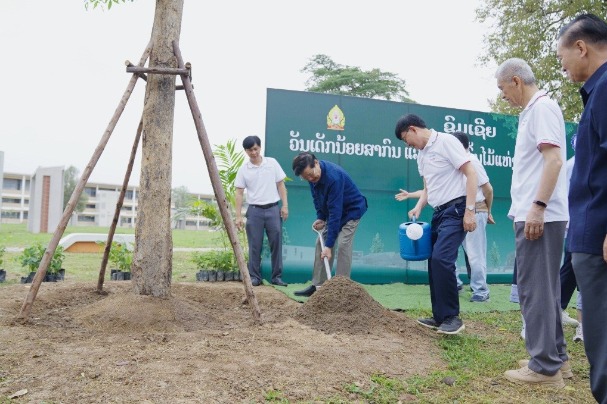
pixel 377 245
pixel 70 180
pixel 528 30
pixel 103 3
pixel 332 78
pixel 182 200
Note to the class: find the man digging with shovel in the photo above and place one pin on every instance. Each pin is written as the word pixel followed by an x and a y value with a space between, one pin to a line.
pixel 339 206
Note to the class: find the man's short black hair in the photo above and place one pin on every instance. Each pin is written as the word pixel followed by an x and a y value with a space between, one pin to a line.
pixel 302 161
pixel 587 27
pixel 251 141
pixel 463 138
pixel 407 121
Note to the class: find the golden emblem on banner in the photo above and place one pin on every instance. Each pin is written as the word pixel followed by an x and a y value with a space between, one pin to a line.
pixel 336 119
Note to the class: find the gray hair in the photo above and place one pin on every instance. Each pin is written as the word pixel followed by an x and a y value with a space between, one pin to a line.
pixel 515 67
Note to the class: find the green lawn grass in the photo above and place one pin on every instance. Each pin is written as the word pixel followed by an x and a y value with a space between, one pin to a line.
pixel 16 235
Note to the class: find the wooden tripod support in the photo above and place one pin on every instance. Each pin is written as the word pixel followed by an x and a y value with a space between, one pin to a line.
pixel 139 71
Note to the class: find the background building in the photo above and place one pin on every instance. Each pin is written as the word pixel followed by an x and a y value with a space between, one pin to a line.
pixel 16 193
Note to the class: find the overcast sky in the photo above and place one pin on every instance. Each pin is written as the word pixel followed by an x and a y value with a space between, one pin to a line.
pixel 63 70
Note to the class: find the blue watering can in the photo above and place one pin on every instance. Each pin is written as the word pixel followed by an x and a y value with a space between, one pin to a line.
pixel 415 250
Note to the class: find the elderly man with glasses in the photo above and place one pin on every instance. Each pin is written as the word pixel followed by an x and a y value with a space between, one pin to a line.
pixel 339 207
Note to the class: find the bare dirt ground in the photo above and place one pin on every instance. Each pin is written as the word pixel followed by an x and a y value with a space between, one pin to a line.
pixel 202 344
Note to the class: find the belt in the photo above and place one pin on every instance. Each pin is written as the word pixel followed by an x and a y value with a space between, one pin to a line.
pixel 450 203
pixel 482 207
pixel 266 206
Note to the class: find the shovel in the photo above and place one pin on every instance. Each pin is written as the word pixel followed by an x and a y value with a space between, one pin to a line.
pixel 322 247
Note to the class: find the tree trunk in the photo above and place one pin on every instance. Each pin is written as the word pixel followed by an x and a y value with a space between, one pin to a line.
pixel 152 259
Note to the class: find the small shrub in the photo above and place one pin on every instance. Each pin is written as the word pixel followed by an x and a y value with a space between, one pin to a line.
pixel 220 260
pixel 121 257
pixel 32 256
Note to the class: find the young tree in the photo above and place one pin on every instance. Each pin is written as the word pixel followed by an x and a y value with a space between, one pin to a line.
pixel 528 30
pixel 229 161
pixel 330 77
pixel 153 255
pixel 152 259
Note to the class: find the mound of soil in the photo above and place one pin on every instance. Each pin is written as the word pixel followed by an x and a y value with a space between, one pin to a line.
pixel 201 344
pixel 344 306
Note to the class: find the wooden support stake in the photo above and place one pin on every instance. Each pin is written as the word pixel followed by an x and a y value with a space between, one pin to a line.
pixel 145 78
pixel 129 64
pixel 216 182
pixel 156 70
pixel 26 308
pixel 125 184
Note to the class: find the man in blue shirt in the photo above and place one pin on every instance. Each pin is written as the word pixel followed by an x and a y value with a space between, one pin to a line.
pixel 582 51
pixel 339 206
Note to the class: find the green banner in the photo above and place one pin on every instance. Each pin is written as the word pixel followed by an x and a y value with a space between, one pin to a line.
pixel 358 134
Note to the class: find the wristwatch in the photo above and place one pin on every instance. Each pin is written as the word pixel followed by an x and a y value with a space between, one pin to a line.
pixel 471 208
pixel 540 203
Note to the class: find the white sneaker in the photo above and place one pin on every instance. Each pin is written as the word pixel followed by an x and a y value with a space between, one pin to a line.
pixel 579 334
pixel 566 320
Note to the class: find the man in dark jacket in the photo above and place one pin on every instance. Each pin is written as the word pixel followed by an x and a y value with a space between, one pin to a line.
pixel 339 206
pixel 582 51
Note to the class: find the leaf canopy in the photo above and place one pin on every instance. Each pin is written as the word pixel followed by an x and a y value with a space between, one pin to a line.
pixel 528 30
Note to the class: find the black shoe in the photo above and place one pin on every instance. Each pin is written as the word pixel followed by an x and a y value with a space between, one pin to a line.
pixel 255 281
pixel 428 322
pixel 306 292
pixel 451 325
pixel 279 282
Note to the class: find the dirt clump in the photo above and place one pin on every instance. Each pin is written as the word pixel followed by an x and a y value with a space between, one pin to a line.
pixel 344 306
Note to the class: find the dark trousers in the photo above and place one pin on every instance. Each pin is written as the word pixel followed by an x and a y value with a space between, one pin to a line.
pixel 447 235
pixel 258 220
pixel 591 274
pixel 568 282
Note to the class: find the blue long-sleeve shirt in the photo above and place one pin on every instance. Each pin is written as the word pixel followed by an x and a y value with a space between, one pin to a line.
pixel 337 200
pixel 588 186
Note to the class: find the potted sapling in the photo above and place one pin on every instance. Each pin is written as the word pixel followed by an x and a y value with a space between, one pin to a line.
pixel 121 258
pixel 31 257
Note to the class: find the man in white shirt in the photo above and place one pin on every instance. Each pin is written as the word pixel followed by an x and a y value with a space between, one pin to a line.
pixel 540 213
pixel 264 180
pixel 475 243
pixel 450 186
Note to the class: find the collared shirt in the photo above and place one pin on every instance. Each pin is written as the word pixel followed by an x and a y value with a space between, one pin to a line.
pixel 541 122
pixel 337 199
pixel 588 186
pixel 260 181
pixel 439 163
